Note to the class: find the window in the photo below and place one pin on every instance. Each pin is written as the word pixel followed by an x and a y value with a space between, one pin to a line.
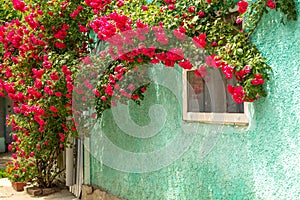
pixel 207 99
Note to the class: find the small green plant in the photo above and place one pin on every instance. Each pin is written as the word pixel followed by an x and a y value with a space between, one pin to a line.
pixel 17 172
pixel 3 173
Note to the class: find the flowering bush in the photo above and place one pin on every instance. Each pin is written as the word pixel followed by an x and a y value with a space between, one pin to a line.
pixel 39 61
pixel 42 50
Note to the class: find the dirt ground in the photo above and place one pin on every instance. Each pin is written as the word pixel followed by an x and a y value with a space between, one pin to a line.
pixel 8 193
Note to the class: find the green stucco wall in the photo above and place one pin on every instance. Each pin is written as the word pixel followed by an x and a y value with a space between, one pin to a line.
pixel 258 162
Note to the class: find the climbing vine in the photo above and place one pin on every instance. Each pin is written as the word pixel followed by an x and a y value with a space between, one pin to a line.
pixel 215 26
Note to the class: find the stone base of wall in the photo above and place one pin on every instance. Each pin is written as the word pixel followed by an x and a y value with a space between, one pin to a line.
pixel 89 193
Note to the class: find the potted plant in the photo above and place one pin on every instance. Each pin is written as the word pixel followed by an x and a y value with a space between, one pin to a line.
pixel 18 175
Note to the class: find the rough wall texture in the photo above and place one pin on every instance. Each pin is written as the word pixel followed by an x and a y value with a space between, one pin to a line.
pixel 261 162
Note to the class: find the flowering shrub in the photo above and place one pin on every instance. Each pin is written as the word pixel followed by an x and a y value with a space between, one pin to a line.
pixel 42 50
pixel 40 58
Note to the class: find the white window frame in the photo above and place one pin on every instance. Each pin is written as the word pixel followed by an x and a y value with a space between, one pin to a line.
pixel 211 117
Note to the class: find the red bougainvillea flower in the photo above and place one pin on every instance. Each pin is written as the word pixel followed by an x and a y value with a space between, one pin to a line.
pixel 120 3
pixel 271 4
pixel 83 29
pixel 103 98
pixel 175 54
pixel 14 156
pixel 239 20
pixel 143 89
pixel 214 44
pixel 191 9
pixel 48 91
pixel 19 5
pixel 97 5
pixel 211 61
pixel 185 64
pixel 243 5
pixel 170 1
pixel 62 137
pixel 257 79
pixel 171 6
pixel 54 76
pixel 200 41
pixel 58 94
pixel 242 73
pixel 38 73
pixel 53 109
pixel 201 14
pixel 60 45
pixel 201 72
pixel 135 97
pixel 227 70
pixel 144 8
pixel 237 93
pixel 61 34
pixel 109 90
pixel 46 142
pixel 96 92
pixel 160 34
pixel 208 1
pixel 180 33
pixel 14 136
pixel 74 14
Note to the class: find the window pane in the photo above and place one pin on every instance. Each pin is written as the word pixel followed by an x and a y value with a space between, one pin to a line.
pixel 195 93
pixel 210 94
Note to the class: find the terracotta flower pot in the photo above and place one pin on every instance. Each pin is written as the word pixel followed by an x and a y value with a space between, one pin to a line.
pixel 18 186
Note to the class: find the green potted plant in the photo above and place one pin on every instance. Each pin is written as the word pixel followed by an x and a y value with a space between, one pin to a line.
pixel 18 175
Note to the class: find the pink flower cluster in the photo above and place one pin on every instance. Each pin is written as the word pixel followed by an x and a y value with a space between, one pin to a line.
pixel 243 5
pixel 19 5
pixel 108 26
pixel 160 35
pixel 257 79
pixel 200 41
pixel 76 12
pixel 271 4
pixel 61 33
pixel 171 4
pixel 113 89
pixel 237 93
pixel 98 5
pixel 240 75
pixel 180 33
pixel 15 35
pixel 201 71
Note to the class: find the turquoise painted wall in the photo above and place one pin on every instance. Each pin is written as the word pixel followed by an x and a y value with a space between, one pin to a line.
pixel 258 162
